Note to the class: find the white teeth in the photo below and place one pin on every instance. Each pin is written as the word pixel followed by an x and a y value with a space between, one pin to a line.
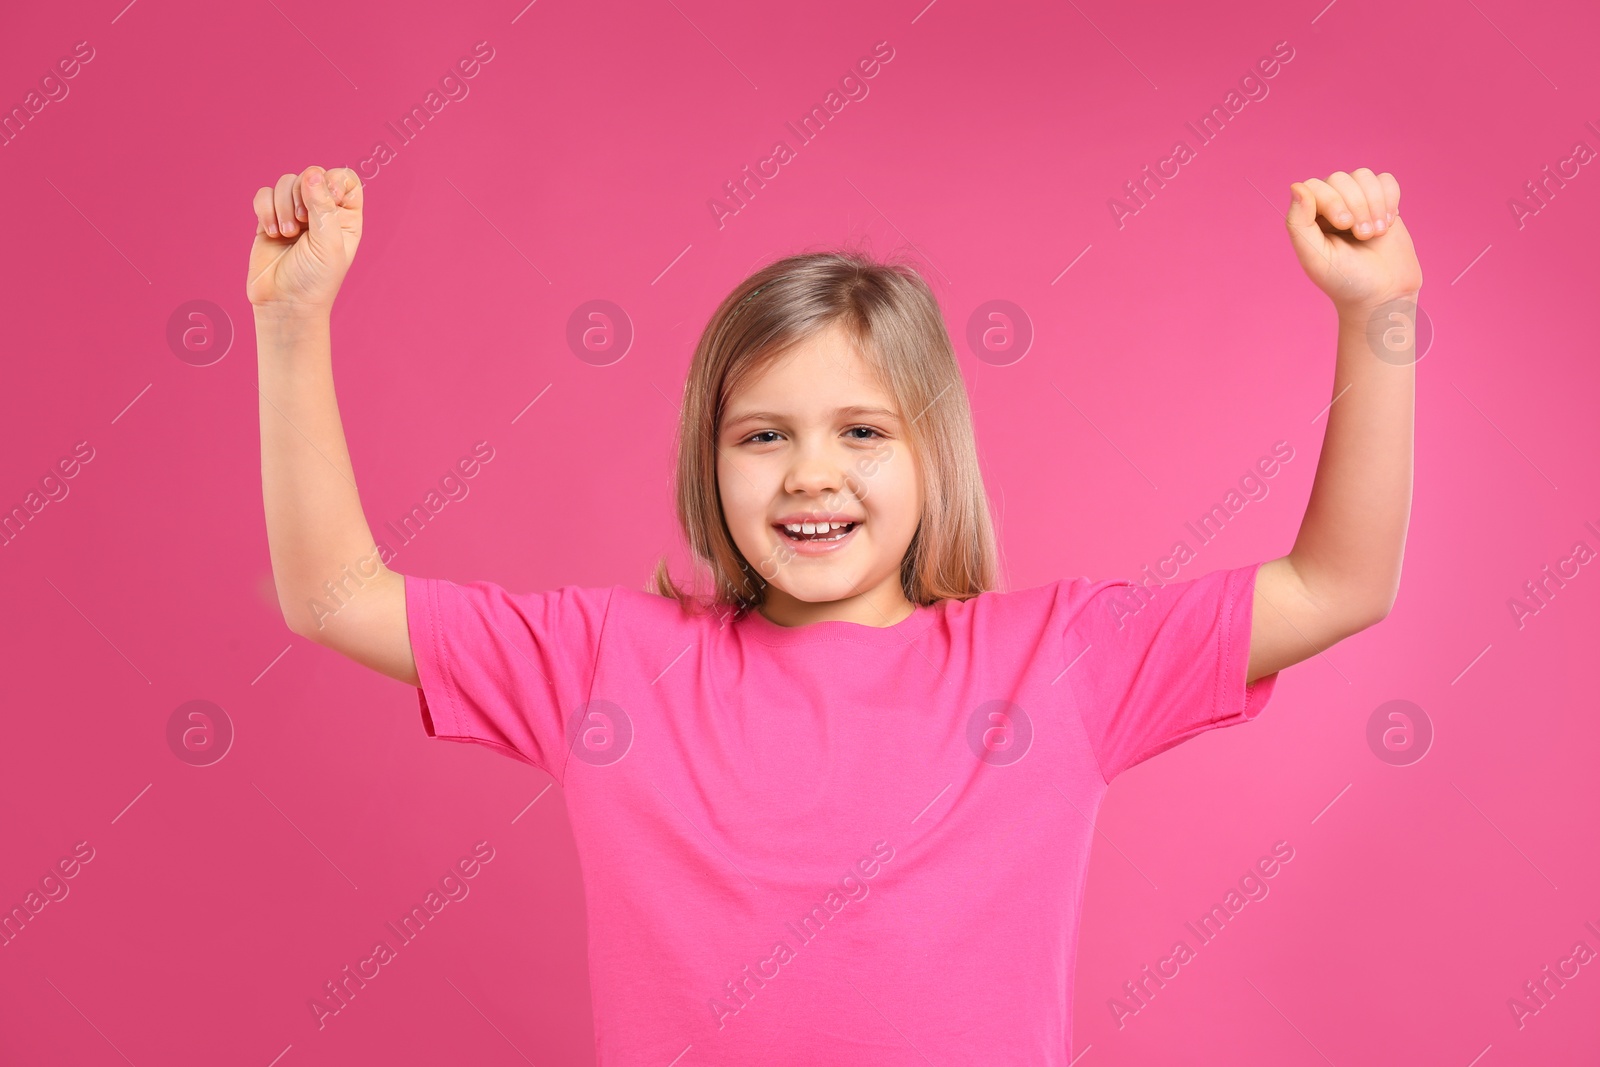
pixel 814 527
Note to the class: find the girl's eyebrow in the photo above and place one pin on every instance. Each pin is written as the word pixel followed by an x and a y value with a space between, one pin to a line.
pixel 771 416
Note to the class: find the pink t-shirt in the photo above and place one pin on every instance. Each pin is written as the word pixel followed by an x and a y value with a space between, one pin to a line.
pixel 835 843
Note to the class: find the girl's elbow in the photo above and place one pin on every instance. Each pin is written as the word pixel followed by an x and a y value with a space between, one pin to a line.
pixel 1375 613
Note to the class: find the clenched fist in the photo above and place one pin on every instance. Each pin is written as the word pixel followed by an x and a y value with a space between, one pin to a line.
pixel 307 230
pixel 1350 240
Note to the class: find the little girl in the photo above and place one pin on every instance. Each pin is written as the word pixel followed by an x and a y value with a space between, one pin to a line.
pixel 839 807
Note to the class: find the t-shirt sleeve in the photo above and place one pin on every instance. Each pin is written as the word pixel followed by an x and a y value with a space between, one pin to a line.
pixel 1160 665
pixel 505 669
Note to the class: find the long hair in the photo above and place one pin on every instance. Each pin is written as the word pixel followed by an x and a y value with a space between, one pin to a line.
pixel 893 318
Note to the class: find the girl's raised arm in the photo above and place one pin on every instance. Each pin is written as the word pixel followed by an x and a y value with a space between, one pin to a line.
pixel 332 587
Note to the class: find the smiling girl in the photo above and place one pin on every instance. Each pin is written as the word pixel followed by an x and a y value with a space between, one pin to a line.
pixel 838 807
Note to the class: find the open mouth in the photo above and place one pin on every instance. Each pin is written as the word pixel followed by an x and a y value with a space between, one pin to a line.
pixel 817 533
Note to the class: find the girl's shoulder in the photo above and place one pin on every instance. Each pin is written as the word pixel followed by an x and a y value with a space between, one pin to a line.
pixel 637 606
pixel 1003 601
pixel 1056 605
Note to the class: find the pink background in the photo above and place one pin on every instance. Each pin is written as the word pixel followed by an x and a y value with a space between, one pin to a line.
pixel 221 898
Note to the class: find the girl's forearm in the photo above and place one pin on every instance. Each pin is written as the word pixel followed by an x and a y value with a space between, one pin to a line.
pixel 323 555
pixel 1351 543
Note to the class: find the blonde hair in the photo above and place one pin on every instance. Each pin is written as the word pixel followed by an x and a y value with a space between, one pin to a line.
pixel 890 314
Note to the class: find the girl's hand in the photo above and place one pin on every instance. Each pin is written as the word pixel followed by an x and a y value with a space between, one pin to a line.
pixel 1350 240
pixel 307 230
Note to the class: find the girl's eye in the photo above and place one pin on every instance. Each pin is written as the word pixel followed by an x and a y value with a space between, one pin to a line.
pixel 755 438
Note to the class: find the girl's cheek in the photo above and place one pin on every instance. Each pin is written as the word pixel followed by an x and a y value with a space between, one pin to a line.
pixel 871 468
pixel 776 562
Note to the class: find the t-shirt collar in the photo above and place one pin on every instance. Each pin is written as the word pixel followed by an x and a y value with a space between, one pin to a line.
pixel 759 627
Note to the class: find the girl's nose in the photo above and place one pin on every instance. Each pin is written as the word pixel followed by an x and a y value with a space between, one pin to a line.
pixel 814 472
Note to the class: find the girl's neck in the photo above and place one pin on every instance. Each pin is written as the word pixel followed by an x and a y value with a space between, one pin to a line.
pixel 885 605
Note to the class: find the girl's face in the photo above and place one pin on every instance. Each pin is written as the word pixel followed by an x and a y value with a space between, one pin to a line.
pixel 816 439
